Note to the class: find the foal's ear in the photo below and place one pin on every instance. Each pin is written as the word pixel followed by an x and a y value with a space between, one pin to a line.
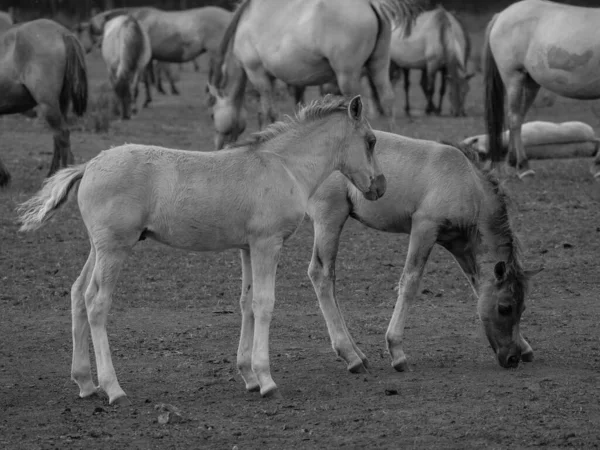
pixel 532 273
pixel 355 108
pixel 500 270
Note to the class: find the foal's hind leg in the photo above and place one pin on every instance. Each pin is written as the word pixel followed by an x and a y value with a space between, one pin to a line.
pixel 62 144
pixel 520 91
pixel 321 271
pixel 81 371
pixel 244 354
pixel 422 238
pixel 98 299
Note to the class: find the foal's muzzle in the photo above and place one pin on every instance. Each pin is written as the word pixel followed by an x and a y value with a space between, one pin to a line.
pixel 377 188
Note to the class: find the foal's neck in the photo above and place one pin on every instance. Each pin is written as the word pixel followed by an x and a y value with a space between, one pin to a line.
pixel 310 154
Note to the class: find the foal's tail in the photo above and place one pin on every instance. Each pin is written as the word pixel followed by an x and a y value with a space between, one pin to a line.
pixel 36 211
pixel 494 100
pixel 75 80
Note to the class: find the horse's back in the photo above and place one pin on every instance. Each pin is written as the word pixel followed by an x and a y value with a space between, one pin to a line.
pixel 423 43
pixel 555 44
pixel 305 38
pixel 425 178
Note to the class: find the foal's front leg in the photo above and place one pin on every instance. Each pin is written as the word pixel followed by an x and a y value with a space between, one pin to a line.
pixel 265 256
pixel 244 354
pixel 422 238
pixel 322 275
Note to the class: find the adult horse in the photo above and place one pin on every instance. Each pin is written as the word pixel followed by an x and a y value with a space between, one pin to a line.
pixel 438 43
pixel 6 21
pixel 528 46
pixel 437 194
pixel 126 52
pixel 252 197
pixel 42 63
pixel 310 42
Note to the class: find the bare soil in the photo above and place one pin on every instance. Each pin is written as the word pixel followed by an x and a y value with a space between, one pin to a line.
pixel 174 323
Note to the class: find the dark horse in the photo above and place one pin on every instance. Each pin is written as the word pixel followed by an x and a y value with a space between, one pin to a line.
pixel 43 64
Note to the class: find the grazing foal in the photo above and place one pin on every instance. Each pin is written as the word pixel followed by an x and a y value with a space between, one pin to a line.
pixel 437 195
pixel 251 197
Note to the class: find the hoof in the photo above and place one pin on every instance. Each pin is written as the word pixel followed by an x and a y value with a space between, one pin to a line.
pixel 527 357
pixel 526 175
pixel 271 393
pixel 358 367
pixel 401 366
pixel 96 393
pixel 120 401
pixel 253 387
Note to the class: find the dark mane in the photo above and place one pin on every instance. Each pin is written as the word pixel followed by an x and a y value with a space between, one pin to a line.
pixel 498 222
pixel 468 43
pixel 316 110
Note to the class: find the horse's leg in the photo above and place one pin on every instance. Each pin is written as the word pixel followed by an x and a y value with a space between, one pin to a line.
pixel 520 91
pixel 62 155
pixel 406 73
pixel 594 169
pixel 428 85
pixel 171 78
pixel 244 354
pixel 81 371
pixel 160 69
pixel 378 69
pixel 422 238
pixel 4 175
pixel 265 256
pixel 443 73
pixel 98 299
pixel 263 83
pixel 321 271
pixel 147 83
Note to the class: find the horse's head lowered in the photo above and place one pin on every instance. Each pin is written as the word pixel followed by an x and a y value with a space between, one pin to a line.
pixel 501 304
pixel 228 119
pixel 359 164
pixel 459 88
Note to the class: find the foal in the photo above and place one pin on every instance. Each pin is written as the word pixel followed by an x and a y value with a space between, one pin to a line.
pixel 251 197
pixel 437 195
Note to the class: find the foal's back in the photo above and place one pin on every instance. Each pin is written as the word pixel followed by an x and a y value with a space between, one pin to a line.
pixel 427 179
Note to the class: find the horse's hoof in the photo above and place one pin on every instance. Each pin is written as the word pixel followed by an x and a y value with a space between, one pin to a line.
pixel 272 393
pixel 120 401
pixel 401 365
pixel 527 357
pixel 526 175
pixel 358 367
pixel 250 387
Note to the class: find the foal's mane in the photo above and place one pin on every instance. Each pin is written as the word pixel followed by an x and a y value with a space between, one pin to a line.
pixel 315 110
pixel 498 222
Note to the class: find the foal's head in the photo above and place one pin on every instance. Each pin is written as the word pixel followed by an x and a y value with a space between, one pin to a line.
pixel 501 303
pixel 357 160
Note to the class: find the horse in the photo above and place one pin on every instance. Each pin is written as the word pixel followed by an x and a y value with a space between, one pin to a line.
pixel 438 43
pixel 126 52
pixel 437 194
pixel 42 63
pixel 334 40
pixel 6 21
pixel 251 197
pixel 528 46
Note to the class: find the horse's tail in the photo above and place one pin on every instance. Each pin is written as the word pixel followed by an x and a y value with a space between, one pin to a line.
pixel 75 80
pixel 132 46
pixel 228 36
pixel 494 100
pixel 36 211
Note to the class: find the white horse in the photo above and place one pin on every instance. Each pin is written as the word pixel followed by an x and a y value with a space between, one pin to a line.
pixel 126 51
pixel 251 197
pixel 438 43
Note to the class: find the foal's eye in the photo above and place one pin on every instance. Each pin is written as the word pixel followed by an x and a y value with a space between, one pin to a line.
pixel 505 310
pixel 371 142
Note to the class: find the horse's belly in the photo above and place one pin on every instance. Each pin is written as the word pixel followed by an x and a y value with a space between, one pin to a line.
pixel 565 68
pixel 15 97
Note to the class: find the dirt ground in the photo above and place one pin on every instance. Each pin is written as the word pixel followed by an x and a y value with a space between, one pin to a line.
pixel 174 323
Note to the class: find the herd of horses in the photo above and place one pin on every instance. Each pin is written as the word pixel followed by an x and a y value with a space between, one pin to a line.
pixel 326 162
